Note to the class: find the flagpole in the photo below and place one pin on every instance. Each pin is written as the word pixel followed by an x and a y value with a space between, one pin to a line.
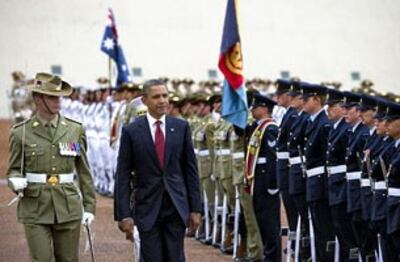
pixel 109 75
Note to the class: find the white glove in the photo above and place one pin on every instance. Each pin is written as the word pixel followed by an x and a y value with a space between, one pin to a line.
pixel 87 218
pixel 18 183
pixel 272 191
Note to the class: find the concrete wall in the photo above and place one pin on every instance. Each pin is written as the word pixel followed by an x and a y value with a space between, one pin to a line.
pixel 317 40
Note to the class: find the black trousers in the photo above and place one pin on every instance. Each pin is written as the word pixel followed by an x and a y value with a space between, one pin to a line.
pixel 323 228
pixel 343 229
pixel 267 210
pixel 164 242
pixel 290 208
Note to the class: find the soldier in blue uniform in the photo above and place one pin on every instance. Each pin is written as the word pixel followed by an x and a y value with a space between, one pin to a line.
pixel 282 165
pixel 297 180
pixel 261 175
pixel 367 109
pixel 375 157
pixel 358 135
pixel 336 168
pixel 316 142
pixel 393 177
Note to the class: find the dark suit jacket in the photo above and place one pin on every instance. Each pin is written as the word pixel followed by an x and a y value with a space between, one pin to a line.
pixel 179 177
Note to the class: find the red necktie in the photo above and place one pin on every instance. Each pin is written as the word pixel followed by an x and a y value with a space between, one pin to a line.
pixel 159 143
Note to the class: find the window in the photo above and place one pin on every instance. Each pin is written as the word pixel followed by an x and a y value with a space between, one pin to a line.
pixel 355 76
pixel 137 71
pixel 285 74
pixel 212 73
pixel 56 70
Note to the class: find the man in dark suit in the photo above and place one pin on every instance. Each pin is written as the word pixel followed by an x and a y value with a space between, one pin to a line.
pixel 158 150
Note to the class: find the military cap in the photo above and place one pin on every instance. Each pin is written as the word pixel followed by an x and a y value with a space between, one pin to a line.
pixel 282 86
pixel 334 97
pixel 351 99
pixel 381 109
pixel 295 89
pixel 393 112
pixel 216 97
pixel 130 86
pixel 368 103
pixel 50 85
pixel 187 81
pixel 309 90
pixel 260 100
pixel 200 98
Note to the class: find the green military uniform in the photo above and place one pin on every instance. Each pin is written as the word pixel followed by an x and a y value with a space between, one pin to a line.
pixel 204 161
pixel 223 160
pixel 254 245
pixel 52 206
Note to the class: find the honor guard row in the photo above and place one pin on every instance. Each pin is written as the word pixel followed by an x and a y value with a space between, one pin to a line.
pixel 331 158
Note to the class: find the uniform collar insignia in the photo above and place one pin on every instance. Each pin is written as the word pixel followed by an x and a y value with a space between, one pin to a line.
pixel 63 123
pixel 35 124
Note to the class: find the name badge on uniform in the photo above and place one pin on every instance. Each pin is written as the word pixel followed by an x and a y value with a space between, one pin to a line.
pixel 69 149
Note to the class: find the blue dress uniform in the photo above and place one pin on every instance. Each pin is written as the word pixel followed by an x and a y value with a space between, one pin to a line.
pixel 316 142
pixel 358 135
pixel 297 180
pixel 374 140
pixel 282 166
pixel 265 190
pixel 393 177
pixel 336 168
pixel 379 156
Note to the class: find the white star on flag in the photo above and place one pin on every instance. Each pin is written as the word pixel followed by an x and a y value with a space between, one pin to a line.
pixel 129 78
pixel 123 67
pixel 108 43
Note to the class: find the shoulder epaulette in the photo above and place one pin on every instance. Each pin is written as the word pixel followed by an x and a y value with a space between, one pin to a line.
pixel 21 123
pixel 72 120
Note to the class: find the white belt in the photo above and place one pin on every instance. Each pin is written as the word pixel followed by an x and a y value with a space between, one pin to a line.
pixel 238 155
pixel 223 152
pixel 295 160
pixel 315 171
pixel 204 152
pixel 282 155
pixel 337 169
pixel 394 191
pixel 381 185
pixel 42 178
pixel 365 182
pixel 353 175
pixel 261 160
pixel 196 151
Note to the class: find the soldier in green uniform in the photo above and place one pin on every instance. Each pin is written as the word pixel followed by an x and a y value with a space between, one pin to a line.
pixel 251 242
pixel 204 165
pixel 47 155
pixel 224 173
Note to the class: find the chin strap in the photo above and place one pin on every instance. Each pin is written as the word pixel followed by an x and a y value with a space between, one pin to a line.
pixel 47 107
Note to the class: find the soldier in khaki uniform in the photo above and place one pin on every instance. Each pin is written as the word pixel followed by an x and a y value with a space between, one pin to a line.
pixel 251 242
pixel 46 153
pixel 204 164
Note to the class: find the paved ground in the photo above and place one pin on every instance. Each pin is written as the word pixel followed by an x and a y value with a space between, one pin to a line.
pixel 110 244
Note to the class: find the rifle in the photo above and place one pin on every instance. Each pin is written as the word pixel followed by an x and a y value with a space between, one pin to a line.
pixel 312 234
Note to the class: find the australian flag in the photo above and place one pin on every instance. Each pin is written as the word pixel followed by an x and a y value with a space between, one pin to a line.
pixel 234 99
pixel 110 46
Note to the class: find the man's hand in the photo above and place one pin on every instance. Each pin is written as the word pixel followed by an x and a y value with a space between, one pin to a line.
pixel 194 222
pixel 126 226
pixel 18 183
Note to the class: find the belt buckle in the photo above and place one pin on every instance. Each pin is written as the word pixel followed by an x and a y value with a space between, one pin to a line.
pixel 53 179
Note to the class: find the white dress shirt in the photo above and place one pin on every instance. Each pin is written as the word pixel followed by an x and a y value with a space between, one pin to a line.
pixel 153 127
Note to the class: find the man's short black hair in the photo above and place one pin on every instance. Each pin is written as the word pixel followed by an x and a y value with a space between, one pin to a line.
pixel 150 83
